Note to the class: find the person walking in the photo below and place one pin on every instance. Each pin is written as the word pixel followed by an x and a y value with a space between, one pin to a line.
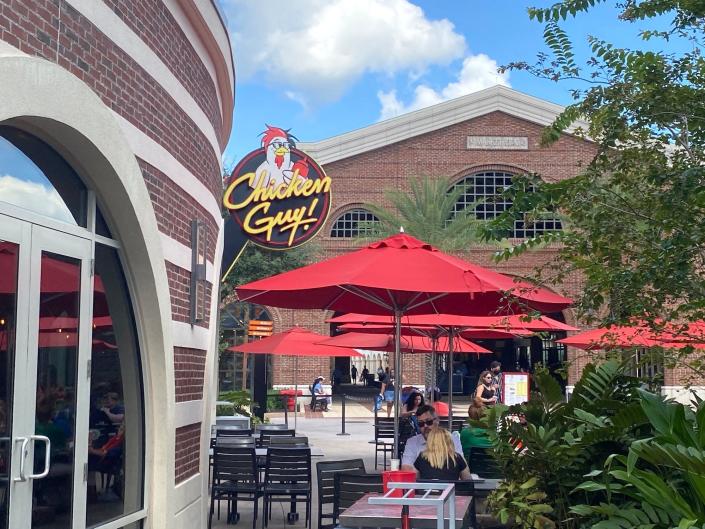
pixel 364 375
pixel 353 374
pixel 387 392
pixel 496 370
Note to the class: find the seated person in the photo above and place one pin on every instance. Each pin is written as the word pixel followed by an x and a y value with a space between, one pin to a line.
pixel 428 421
pixel 472 437
pixel 316 390
pixel 439 460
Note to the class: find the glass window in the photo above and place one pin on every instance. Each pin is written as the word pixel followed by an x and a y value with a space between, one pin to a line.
pixel 116 421
pixel 487 187
pixel 354 223
pixel 34 177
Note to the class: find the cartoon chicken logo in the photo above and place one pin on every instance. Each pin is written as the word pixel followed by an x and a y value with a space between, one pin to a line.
pixel 278 168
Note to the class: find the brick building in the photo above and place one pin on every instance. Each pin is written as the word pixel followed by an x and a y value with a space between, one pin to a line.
pixel 113 118
pixel 479 141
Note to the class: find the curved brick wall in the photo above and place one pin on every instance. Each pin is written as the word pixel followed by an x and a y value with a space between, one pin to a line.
pixel 155 65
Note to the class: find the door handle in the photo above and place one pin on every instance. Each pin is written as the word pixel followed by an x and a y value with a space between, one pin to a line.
pixel 47 456
pixel 23 456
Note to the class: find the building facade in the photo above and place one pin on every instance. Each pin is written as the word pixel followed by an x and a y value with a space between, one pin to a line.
pixel 113 118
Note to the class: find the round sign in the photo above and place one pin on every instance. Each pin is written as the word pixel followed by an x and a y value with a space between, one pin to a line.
pixel 278 195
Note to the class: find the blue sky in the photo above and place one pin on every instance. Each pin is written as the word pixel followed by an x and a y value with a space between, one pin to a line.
pixel 325 67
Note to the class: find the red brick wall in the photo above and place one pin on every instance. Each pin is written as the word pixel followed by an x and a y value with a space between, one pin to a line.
pixel 155 25
pixel 443 153
pixel 189 367
pixel 179 287
pixel 188 452
pixel 125 87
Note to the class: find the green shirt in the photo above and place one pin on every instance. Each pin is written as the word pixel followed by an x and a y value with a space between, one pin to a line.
pixel 474 437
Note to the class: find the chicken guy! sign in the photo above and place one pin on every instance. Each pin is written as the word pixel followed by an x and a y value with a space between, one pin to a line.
pixel 277 194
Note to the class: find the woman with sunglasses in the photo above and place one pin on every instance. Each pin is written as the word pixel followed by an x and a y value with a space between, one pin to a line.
pixel 485 390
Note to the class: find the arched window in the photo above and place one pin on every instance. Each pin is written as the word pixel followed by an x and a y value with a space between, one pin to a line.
pixel 353 223
pixel 487 187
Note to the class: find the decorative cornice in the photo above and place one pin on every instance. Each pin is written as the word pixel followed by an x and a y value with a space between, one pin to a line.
pixel 493 99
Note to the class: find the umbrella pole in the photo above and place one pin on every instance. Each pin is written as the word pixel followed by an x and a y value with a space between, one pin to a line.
pixel 296 390
pixel 434 369
pixel 397 375
pixel 450 378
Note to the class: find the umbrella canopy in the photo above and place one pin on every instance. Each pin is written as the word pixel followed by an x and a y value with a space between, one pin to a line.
pixel 402 274
pixel 409 344
pixel 399 275
pixel 508 323
pixel 294 342
pixel 431 331
pixel 672 336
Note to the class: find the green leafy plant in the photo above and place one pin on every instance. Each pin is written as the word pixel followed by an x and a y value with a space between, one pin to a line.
pixel 561 442
pixel 521 504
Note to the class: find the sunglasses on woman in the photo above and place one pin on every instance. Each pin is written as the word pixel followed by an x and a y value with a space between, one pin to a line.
pixel 427 422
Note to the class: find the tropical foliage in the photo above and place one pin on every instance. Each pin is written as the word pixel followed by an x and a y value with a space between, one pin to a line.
pixel 426 211
pixel 612 457
pixel 637 211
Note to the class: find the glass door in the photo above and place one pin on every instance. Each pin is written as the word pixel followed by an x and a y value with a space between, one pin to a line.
pixel 44 350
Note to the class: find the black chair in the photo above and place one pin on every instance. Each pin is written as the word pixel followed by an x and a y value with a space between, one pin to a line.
pixel 384 439
pixel 483 464
pixel 287 477
pixel 325 473
pixel 233 432
pixel 283 441
pixel 265 436
pixel 267 426
pixel 348 487
pixel 235 478
pixel 462 488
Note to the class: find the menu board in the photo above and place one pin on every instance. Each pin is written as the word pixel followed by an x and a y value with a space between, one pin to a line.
pixel 515 388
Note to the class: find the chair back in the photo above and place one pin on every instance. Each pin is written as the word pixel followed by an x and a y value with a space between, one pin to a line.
pixel 282 441
pixel 287 465
pixel 483 464
pixel 261 427
pixel 351 486
pixel 384 428
pixel 458 423
pixel 237 464
pixel 265 436
pixel 325 474
pixel 233 432
pixel 235 441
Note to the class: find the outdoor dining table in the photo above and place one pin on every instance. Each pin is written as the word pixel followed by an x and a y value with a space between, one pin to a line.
pixel 362 514
pixel 316 451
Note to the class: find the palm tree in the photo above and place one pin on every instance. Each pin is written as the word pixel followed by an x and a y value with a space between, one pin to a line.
pixel 427 213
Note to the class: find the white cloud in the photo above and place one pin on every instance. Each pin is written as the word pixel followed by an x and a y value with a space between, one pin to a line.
pixel 478 72
pixel 315 49
pixel 34 197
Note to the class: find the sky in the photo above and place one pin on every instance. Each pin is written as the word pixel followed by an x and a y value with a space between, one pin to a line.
pixel 326 67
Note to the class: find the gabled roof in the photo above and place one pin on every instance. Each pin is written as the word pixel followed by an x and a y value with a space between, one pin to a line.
pixel 496 98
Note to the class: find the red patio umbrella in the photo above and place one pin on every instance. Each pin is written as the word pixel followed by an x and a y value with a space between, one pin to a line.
pixel 399 275
pixel 429 330
pixel 409 344
pixel 295 342
pixel 672 336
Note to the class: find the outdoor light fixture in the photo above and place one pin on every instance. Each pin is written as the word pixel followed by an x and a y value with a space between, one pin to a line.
pixel 197 292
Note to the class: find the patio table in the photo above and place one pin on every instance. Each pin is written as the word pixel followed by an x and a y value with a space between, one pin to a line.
pixel 316 451
pixel 362 514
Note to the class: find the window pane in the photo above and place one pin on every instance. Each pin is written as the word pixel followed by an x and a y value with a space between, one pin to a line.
pixel 115 454
pixel 353 223
pixel 9 253
pixel 34 177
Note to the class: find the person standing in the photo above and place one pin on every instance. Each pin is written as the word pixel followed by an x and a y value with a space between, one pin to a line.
pixel 387 392
pixel 485 391
pixel 353 374
pixel 496 370
pixel 364 374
